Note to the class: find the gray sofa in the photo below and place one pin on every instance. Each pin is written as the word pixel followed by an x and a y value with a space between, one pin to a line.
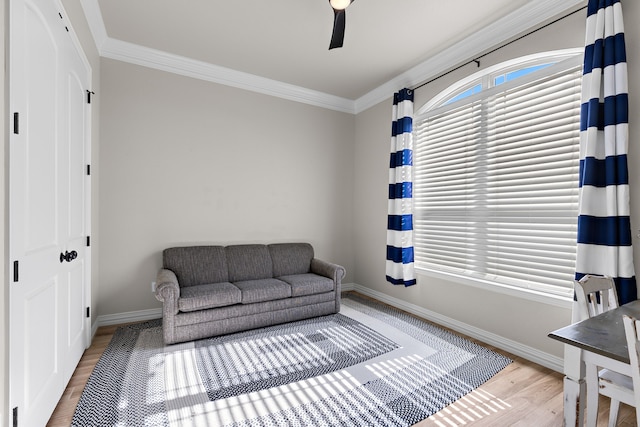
pixel 215 290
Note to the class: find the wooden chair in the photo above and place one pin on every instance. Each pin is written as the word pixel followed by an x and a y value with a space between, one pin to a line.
pixel 595 295
pixel 632 332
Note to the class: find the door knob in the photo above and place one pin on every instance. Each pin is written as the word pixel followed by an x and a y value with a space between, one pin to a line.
pixel 68 256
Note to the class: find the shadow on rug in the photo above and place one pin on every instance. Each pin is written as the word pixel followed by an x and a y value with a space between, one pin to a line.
pixel 370 365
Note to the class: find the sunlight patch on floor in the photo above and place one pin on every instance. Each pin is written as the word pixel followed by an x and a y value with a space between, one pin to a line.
pixel 471 408
pixel 260 403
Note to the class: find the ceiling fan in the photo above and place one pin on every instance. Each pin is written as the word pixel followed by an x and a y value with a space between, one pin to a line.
pixel 339 17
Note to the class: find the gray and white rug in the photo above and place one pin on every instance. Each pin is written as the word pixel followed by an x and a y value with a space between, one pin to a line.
pixel 370 365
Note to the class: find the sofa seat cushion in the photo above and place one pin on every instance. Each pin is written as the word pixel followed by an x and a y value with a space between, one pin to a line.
pixel 307 284
pixel 262 290
pixel 201 297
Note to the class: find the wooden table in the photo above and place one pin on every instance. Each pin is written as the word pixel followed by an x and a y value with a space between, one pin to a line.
pixel 598 341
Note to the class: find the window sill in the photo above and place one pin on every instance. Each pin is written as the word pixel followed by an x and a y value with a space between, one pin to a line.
pixel 528 294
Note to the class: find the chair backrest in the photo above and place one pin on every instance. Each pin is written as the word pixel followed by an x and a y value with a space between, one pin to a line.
pixel 595 295
pixel 632 332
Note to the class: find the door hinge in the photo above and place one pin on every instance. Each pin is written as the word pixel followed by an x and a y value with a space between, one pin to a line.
pixel 88 169
pixel 88 312
pixel 15 271
pixel 15 417
pixel 89 93
pixel 88 241
pixel 16 123
pixel 61 17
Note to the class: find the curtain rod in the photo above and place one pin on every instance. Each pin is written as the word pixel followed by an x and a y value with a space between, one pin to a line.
pixel 477 59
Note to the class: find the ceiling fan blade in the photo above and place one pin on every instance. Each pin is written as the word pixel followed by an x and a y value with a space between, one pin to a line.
pixel 337 38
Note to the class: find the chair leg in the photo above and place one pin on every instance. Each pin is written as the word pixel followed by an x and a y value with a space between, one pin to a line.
pixel 613 412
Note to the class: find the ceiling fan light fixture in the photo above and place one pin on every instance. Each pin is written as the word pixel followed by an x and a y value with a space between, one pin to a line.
pixel 340 4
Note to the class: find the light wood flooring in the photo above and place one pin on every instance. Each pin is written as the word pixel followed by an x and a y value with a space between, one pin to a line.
pixel 523 394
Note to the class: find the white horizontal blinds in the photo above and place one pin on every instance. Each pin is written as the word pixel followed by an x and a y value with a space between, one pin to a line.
pixel 446 187
pixel 532 183
pixel 497 184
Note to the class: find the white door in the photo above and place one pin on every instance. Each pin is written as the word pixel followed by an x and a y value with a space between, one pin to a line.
pixel 49 215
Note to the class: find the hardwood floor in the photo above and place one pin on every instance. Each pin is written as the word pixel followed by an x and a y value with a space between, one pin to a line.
pixel 523 394
pixel 63 413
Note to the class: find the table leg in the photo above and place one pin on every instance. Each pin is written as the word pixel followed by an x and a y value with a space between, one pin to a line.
pixel 574 402
pixel 575 395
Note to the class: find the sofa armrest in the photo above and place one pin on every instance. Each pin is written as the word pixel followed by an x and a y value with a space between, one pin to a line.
pixel 167 289
pixel 332 271
pixel 327 269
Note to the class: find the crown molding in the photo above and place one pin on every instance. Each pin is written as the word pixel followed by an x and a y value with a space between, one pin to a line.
pixel 533 13
pixel 498 32
pixel 96 24
pixel 159 60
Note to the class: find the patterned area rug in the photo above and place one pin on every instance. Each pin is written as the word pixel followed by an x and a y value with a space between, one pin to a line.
pixel 370 365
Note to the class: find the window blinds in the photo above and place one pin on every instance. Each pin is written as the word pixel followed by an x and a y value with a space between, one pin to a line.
pixel 496 183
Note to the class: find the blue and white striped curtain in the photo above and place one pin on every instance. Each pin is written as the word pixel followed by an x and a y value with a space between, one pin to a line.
pixel 604 229
pixel 399 267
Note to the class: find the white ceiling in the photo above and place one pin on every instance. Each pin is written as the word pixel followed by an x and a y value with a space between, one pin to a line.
pixel 280 47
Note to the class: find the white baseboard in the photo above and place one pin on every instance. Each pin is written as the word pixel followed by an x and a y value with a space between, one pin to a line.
pixel 128 317
pixel 94 329
pixel 542 358
pixel 514 347
pixel 346 287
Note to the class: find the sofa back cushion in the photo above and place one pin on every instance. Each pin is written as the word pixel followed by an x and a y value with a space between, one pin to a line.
pixel 291 258
pixel 248 262
pixel 197 265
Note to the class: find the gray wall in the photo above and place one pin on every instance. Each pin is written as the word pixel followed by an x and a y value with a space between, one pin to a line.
pixel 506 316
pixel 185 161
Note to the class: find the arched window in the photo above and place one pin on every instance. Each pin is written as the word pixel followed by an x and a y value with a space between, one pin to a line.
pixel 496 175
